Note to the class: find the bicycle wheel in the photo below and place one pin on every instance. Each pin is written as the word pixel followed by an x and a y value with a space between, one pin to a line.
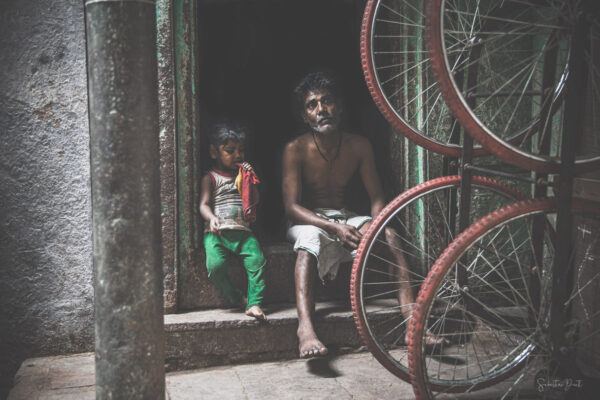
pixel 418 224
pixel 396 69
pixel 502 68
pixel 489 296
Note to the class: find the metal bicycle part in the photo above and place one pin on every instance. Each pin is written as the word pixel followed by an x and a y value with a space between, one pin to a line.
pixel 396 252
pixel 502 68
pixel 397 72
pixel 489 297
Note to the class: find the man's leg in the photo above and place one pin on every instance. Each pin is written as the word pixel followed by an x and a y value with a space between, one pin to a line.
pixel 401 275
pixel 305 275
pixel 399 269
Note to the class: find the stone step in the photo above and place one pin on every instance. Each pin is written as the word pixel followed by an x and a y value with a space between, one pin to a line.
pixel 348 376
pixel 279 278
pixel 205 338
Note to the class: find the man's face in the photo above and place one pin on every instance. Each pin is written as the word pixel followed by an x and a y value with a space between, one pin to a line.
pixel 321 111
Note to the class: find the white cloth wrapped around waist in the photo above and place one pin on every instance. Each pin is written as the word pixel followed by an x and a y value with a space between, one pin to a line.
pixel 326 247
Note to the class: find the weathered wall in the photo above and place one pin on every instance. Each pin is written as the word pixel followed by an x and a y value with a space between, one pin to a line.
pixel 46 295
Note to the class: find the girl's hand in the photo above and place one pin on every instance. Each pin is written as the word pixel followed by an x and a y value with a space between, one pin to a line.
pixel 246 166
pixel 214 225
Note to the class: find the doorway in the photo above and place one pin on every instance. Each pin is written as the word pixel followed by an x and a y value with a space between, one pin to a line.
pixel 250 55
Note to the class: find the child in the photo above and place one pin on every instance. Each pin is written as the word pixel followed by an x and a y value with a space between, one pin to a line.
pixel 227 229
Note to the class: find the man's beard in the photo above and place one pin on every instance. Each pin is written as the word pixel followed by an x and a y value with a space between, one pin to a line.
pixel 331 126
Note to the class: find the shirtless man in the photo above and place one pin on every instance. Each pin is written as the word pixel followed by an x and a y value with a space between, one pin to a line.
pixel 317 166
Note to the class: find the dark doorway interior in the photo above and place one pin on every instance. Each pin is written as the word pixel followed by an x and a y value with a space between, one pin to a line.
pixel 252 53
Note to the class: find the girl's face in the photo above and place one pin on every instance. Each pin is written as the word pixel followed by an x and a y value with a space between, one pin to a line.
pixel 228 154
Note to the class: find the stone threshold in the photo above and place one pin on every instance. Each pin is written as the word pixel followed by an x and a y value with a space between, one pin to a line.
pixel 204 338
pixel 277 314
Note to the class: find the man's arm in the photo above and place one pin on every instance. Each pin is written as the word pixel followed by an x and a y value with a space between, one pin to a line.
pixel 292 189
pixel 369 176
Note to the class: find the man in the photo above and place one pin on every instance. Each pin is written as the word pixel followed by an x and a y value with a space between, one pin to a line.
pixel 317 166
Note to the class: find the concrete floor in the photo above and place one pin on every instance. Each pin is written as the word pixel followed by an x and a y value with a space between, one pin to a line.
pixel 349 376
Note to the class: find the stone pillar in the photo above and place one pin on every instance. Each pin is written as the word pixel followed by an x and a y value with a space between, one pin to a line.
pixel 124 148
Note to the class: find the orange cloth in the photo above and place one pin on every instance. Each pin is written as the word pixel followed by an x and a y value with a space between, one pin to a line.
pixel 245 182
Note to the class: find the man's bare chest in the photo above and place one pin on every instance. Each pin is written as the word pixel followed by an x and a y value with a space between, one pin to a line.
pixel 335 174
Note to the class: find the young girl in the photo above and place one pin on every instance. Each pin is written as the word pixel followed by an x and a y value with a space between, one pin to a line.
pixel 227 229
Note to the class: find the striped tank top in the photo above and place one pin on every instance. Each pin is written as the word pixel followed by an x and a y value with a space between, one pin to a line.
pixel 227 202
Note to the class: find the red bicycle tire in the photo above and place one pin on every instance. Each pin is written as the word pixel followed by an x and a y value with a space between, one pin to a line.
pixel 461 111
pixel 383 104
pixel 365 245
pixel 448 258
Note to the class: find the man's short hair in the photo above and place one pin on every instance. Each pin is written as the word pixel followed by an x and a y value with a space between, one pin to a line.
pixel 315 81
pixel 222 132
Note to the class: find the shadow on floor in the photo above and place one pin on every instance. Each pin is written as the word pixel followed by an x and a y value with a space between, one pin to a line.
pixel 322 366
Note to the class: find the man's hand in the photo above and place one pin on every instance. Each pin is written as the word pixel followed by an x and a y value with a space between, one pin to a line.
pixel 348 235
pixel 214 225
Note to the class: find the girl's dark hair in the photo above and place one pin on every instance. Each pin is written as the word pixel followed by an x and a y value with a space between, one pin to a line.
pixel 315 81
pixel 222 132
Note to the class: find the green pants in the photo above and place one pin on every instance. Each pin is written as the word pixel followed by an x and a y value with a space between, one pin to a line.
pixel 244 245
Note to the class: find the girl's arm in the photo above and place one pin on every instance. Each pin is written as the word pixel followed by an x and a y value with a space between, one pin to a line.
pixel 255 191
pixel 205 204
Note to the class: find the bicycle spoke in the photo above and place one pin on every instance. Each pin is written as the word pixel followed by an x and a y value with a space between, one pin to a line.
pixel 400 249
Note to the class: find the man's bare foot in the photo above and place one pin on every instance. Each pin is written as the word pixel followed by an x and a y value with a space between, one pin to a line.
pixel 310 346
pixel 256 312
pixel 429 340
pixel 433 340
